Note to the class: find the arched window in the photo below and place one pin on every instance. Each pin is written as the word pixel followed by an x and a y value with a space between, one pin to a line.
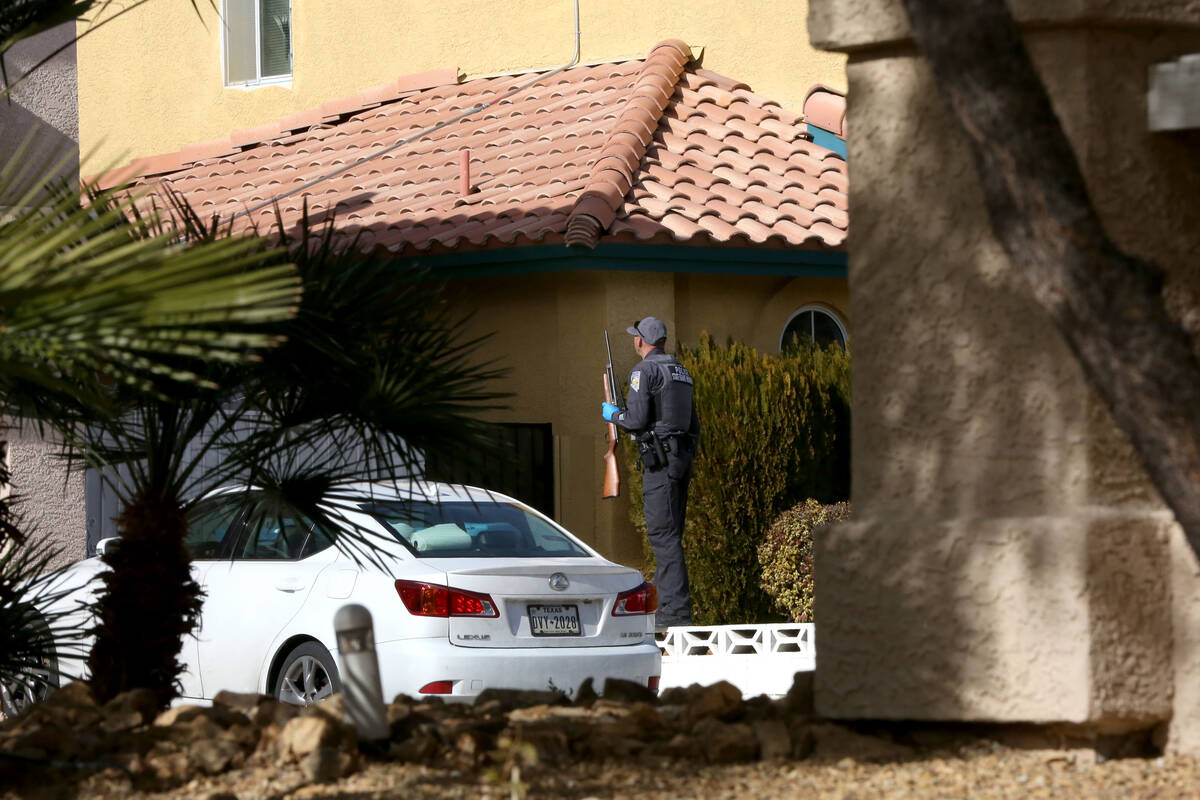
pixel 816 323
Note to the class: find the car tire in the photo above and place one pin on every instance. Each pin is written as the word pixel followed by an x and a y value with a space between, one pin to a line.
pixel 307 675
pixel 18 694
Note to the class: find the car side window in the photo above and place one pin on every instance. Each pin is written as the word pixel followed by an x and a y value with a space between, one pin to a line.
pixel 318 540
pixel 212 529
pixel 274 537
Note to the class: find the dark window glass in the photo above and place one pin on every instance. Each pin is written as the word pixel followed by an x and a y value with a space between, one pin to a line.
pixel 317 541
pixel 275 37
pixel 212 529
pixel 814 324
pixel 464 529
pixel 520 464
pixel 274 537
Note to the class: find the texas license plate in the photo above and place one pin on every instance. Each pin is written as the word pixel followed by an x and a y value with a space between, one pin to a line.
pixel 554 620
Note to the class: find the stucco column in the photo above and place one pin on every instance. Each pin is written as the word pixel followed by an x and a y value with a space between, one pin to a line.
pixel 1009 560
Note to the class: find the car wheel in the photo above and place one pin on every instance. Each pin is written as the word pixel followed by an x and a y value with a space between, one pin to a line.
pixel 18 693
pixel 307 676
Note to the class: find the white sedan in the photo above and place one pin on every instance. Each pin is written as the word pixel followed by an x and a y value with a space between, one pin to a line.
pixel 475 590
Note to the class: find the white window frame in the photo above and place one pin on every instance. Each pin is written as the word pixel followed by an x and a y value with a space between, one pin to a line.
pixel 819 309
pixel 274 80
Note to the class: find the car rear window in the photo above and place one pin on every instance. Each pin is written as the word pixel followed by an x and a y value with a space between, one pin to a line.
pixel 464 529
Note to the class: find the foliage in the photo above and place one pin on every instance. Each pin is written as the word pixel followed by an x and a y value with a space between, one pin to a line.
pixel 371 372
pixel 99 302
pixel 786 556
pixel 32 636
pixel 775 430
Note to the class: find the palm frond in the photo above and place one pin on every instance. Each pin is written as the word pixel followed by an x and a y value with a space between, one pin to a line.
pixel 104 289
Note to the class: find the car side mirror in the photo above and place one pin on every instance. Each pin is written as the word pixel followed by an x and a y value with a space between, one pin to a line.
pixel 104 545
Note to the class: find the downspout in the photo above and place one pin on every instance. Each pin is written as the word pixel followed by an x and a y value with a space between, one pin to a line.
pixel 423 133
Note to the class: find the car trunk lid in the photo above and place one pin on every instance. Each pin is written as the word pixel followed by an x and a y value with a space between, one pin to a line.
pixel 565 602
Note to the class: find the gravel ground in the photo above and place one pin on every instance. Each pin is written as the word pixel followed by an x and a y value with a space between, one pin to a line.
pixel 524 745
pixel 977 769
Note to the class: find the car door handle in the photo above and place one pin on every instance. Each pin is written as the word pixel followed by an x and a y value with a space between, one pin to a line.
pixel 290 585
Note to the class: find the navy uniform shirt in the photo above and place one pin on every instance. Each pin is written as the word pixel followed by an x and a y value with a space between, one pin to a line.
pixel 660 396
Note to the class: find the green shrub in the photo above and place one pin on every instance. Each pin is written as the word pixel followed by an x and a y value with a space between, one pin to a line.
pixel 786 556
pixel 775 431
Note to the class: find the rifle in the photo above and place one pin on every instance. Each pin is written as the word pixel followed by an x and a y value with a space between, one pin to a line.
pixel 612 478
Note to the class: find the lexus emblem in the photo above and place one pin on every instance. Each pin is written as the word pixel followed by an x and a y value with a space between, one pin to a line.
pixel 559 582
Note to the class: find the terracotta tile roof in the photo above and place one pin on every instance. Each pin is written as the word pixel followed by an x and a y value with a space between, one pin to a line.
pixel 653 150
pixel 826 108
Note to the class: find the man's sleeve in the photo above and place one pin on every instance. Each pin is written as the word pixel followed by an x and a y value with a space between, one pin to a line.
pixel 637 401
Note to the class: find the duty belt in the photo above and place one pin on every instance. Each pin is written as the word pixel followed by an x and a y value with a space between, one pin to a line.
pixel 679 442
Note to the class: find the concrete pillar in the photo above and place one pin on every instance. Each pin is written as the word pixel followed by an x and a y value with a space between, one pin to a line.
pixel 1009 561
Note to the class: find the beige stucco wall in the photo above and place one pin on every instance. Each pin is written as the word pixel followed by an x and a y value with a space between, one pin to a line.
pixel 548 329
pixel 50 500
pixel 39 120
pixel 1009 560
pixel 151 81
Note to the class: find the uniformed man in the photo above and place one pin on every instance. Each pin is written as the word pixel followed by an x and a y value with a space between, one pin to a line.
pixel 662 417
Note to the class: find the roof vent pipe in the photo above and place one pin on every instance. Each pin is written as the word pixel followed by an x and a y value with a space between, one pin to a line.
pixel 464 173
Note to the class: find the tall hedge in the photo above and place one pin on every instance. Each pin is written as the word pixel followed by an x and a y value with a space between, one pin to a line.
pixel 776 431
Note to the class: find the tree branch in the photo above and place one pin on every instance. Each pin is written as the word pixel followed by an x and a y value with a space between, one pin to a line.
pixel 1108 305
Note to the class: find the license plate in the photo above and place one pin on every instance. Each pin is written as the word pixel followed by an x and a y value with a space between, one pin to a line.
pixel 554 620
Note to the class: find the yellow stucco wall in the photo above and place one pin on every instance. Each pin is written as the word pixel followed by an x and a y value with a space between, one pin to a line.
pixel 548 330
pixel 150 81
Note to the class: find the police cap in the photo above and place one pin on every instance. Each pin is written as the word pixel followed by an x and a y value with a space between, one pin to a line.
pixel 651 329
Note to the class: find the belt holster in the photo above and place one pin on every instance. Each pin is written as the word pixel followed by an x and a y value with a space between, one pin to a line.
pixel 651 453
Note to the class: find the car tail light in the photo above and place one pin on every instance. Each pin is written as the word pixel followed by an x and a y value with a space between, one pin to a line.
pixel 652 682
pixel 434 600
pixel 641 599
pixel 438 687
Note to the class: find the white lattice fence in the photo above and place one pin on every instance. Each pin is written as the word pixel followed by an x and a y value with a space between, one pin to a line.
pixel 758 659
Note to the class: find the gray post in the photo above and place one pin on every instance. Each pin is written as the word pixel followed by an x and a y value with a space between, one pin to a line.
pixel 360 672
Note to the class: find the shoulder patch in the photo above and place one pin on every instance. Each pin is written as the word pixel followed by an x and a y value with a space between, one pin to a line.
pixel 635 380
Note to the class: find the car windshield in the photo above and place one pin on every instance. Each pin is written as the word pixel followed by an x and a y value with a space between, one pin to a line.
pixel 466 529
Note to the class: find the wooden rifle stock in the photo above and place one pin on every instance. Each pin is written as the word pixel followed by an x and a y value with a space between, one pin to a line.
pixel 612 477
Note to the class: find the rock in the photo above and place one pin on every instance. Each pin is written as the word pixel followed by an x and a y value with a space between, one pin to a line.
pixel 165 761
pixel 215 755
pixel 586 694
pixel 837 741
pixel 722 700
pixel 242 701
pixel 421 746
pixel 799 699
pixel 274 712
pixel 175 713
pixel 681 746
pixel 543 713
pixel 803 741
pixel 623 691
pixel 303 735
pixel 49 739
pixel 326 764
pixel 521 698
pixel 725 743
pixel 675 696
pixel 75 693
pixel 333 707
pixel 774 740
pixel 129 710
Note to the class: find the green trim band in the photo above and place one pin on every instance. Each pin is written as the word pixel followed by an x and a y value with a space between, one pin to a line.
pixel 635 257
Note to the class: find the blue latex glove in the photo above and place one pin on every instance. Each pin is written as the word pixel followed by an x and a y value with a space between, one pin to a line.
pixel 609 411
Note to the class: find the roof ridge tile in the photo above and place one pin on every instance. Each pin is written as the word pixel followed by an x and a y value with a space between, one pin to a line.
pixel 656 80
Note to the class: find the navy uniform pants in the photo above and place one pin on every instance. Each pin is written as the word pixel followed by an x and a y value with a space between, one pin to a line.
pixel 664 499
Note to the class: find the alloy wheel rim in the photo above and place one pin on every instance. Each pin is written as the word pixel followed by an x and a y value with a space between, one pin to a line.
pixel 305 682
